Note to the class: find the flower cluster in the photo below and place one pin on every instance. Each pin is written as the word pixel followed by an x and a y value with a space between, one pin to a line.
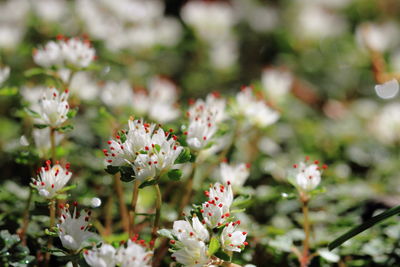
pixel 236 174
pixel 73 228
pixel 203 119
pixel 53 107
pixel 192 237
pixel 255 111
pixel 146 147
pixel 50 179
pixel 308 176
pixel 74 51
pixel 132 254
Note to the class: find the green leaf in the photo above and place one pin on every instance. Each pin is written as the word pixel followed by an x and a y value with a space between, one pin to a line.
pixel 175 174
pixel 214 246
pixel 122 136
pixel 127 173
pixel 8 91
pixel 157 147
pixel 165 233
pixel 72 113
pixel 67 188
pixel 50 233
pixel 66 128
pixel 40 126
pixel 32 113
pixel 184 156
pixel 242 201
pixel 222 255
pixel 34 71
pixel 364 226
pixel 148 183
pixel 112 169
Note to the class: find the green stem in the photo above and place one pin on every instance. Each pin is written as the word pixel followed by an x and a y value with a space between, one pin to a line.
pixel 53 143
pixel 305 259
pixel 25 222
pixel 188 190
pixel 135 195
pixel 157 217
pixel 52 208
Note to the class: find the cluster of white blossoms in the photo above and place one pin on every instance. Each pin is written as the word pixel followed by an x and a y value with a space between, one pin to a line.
pixel 192 236
pixel 204 117
pixel 255 111
pixel 51 180
pixel 147 148
pixel 4 73
pixel 236 174
pixel 73 228
pixel 63 52
pixel 132 254
pixel 53 107
pixel 276 83
pixel 308 176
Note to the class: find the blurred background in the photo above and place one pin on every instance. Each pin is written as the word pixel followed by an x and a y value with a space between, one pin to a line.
pixel 315 61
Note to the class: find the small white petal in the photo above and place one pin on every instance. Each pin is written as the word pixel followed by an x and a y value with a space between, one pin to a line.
pixel 387 90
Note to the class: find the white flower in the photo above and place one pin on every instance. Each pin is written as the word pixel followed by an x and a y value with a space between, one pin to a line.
pixel 276 83
pixel 101 257
pixel 224 54
pixel 41 138
pixel 4 73
pixel 185 230
pixel 255 111
pixel 378 37
pixel 308 177
pixel 74 51
pixel 50 10
pixel 53 107
pixel 193 253
pixel 216 210
pixel 117 94
pixel 73 229
pixel 231 239
pixel 143 167
pixel 133 255
pixel 386 124
pixel 235 174
pixel 51 179
pixel 84 86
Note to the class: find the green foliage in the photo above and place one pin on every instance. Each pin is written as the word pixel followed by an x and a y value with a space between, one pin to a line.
pixel 214 246
pixel 12 252
pixel 175 174
pixel 184 156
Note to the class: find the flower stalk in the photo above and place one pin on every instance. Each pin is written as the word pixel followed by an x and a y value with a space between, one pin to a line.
pixel 157 216
pixel 135 195
pixel 52 210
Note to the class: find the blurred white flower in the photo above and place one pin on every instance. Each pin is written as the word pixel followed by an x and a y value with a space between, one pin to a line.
pixel 255 111
pixel 386 124
pixel 13 16
pixel 101 257
pixel 307 177
pixel 84 86
pixel 73 228
pixel 50 10
pixel 41 138
pixel 95 202
pixel 236 174
pixel 276 83
pixel 133 255
pixel 117 94
pixel 387 90
pixel 50 180
pixel 224 54
pixel 378 37
pixel 4 73
pixel 233 239
pixel 53 107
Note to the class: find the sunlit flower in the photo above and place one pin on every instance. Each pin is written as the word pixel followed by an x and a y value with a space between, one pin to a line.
pixel 50 180
pixel 117 94
pixel 377 37
pixel 49 55
pixel 216 210
pixel 73 228
pixel 133 255
pixel 235 174
pixel 101 257
pixel 53 107
pixel 232 239
pixel 276 83
pixel 4 73
pixel 83 85
pixel 386 124
pixel 192 253
pixel 183 230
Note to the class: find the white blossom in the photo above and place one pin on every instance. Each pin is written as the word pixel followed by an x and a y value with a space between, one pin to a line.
pixel 50 180
pixel 133 255
pixel 385 126
pixel 236 174
pixel 193 253
pixel 73 228
pixel 117 94
pixel 276 83
pixel 83 85
pixel 41 138
pixel 308 176
pixel 50 10
pixel 53 107
pixel 232 239
pixel 183 230
pixel 216 210
pixel 101 257
pixel 378 37
pixel 255 111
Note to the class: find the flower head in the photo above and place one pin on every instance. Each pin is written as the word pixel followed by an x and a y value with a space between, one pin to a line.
pixel 183 230
pixel 73 228
pixel 308 176
pixel 216 210
pixel 53 107
pixel 101 257
pixel 232 239
pixel 235 174
pixel 50 180
pixel 133 255
pixel 193 253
